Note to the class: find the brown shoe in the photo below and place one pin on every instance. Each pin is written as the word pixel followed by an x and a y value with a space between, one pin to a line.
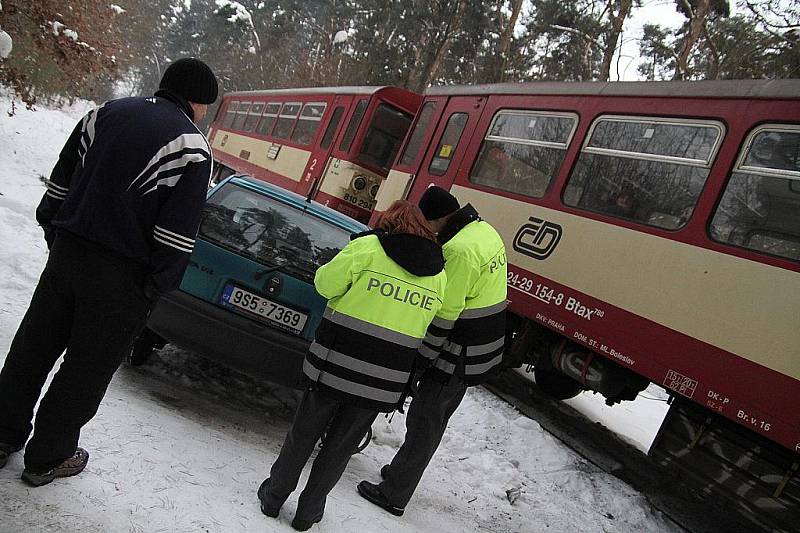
pixel 70 467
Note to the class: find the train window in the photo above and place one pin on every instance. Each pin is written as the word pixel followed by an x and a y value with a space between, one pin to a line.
pixel 333 125
pixel 665 138
pixel 644 169
pixel 309 122
pixel 268 118
pixel 230 114
pixel 760 207
pixel 241 115
pixel 384 135
pixel 523 151
pixel 415 141
pixel 286 119
pixel 448 144
pixel 252 116
pixel 352 127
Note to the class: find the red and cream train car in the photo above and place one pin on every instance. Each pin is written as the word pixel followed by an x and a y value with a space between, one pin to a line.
pixel 653 234
pixel 336 144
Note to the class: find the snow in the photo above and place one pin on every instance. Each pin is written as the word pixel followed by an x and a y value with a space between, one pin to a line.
pixel 240 12
pixel 181 445
pixel 116 9
pixel 6 44
pixel 60 29
pixel 637 422
pixel 340 37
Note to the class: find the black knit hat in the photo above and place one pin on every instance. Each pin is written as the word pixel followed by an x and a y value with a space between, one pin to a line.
pixel 192 79
pixel 437 203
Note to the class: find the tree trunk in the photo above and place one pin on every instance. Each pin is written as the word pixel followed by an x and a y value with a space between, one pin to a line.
pixel 617 22
pixel 695 27
pixel 713 73
pixel 429 73
pixel 505 41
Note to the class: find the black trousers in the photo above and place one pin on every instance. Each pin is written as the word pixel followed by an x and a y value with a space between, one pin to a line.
pixel 90 305
pixel 426 421
pixel 348 425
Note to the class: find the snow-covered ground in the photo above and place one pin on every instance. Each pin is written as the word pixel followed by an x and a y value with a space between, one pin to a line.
pixel 181 444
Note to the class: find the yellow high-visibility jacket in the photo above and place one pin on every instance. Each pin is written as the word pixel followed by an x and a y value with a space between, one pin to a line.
pixel 383 291
pixel 467 336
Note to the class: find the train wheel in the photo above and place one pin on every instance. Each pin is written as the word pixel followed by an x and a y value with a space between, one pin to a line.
pixel 556 385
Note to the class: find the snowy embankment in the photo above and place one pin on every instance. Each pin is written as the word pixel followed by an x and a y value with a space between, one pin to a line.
pixel 181 445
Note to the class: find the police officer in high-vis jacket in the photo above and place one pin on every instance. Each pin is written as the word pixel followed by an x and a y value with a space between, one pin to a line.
pixel 384 289
pixel 464 343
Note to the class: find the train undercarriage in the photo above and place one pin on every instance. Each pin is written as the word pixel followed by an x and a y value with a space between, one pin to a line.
pixel 725 464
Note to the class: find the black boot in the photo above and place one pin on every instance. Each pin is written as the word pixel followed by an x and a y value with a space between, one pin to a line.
pixel 372 492
pixel 271 511
pixel 298 524
pixel 5 451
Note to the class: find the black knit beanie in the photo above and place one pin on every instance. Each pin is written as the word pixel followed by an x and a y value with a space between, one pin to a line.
pixel 192 79
pixel 437 203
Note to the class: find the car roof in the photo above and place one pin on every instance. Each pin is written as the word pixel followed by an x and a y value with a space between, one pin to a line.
pixel 298 201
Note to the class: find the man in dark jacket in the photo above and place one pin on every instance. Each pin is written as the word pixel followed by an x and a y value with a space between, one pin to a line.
pixel 463 345
pixel 120 215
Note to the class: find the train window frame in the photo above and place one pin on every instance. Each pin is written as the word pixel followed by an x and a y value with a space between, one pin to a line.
pixel 301 117
pixel 417 135
pixel 230 111
pixel 763 173
pixel 333 125
pixel 766 171
pixel 235 125
pixel 564 146
pixel 670 121
pixel 449 157
pixel 376 139
pixel 283 115
pixel 677 222
pixel 359 111
pixel 266 115
pixel 253 118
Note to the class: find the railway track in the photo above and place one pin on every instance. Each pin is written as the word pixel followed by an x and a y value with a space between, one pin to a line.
pixel 671 495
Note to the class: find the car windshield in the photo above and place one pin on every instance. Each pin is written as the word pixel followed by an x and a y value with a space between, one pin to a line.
pixel 270 232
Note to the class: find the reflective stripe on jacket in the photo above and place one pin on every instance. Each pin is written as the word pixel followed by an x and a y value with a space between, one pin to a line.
pixel 376 318
pixel 467 336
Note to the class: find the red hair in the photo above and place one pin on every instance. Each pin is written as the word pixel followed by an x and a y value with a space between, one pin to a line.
pixel 405 217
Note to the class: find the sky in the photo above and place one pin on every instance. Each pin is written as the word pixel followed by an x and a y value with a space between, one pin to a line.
pixel 662 12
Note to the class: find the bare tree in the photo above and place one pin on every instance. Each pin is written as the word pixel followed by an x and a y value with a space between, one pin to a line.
pixel 617 20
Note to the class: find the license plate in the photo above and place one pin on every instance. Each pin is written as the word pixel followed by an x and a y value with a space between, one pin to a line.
pixel 264 309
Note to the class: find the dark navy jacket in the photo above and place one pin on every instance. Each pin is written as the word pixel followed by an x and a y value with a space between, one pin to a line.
pixel 132 180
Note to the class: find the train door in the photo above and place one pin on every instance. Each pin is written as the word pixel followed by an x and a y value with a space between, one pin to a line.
pixel 446 150
pixel 401 176
pixel 321 149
